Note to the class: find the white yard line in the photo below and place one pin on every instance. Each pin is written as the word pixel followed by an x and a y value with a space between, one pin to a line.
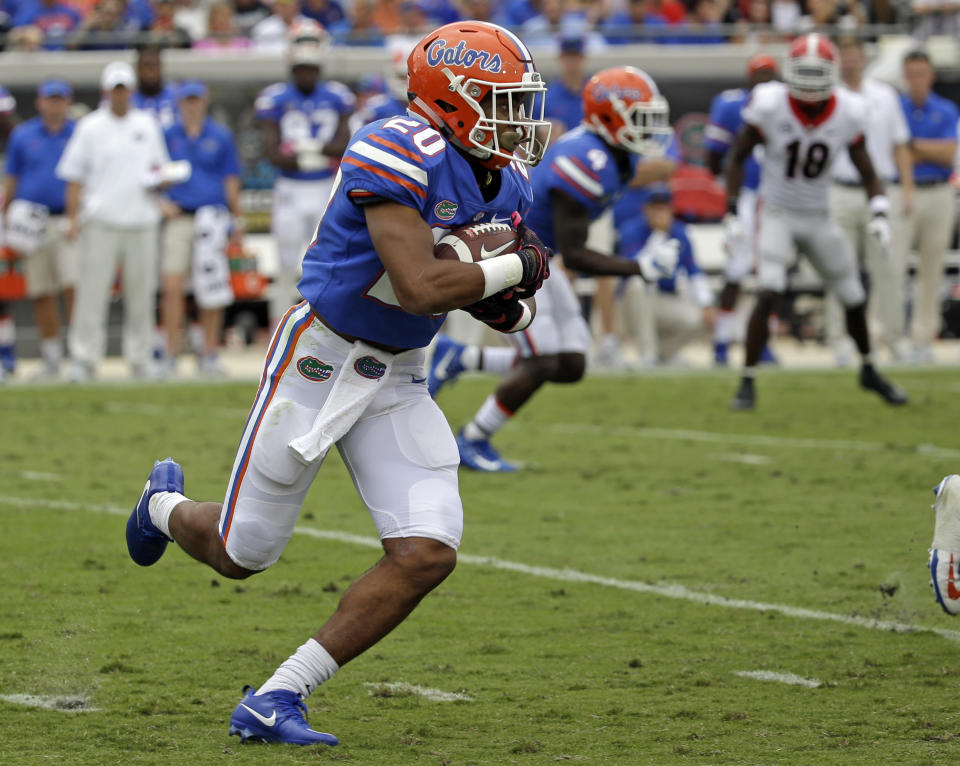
pixel 402 688
pixel 665 590
pixel 741 457
pixel 62 704
pixel 40 476
pixel 782 678
pixel 762 440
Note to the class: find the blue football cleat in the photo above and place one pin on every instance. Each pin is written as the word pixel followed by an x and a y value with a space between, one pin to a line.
pixel 479 455
pixel 447 363
pixel 720 354
pixel 145 542
pixel 278 716
pixel 8 358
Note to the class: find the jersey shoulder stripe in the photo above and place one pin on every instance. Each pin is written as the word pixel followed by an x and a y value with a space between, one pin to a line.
pixel 573 174
pixel 389 160
pixel 385 174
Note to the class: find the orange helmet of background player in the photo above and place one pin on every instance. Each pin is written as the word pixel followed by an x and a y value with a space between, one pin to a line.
pixel 625 108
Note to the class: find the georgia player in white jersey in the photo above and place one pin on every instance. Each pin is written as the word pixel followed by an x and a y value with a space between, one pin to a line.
pixel 804 123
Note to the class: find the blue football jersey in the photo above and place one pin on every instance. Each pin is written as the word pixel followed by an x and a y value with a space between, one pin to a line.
pixel 582 166
pixel 725 122
pixel 401 160
pixel 163 106
pixel 305 115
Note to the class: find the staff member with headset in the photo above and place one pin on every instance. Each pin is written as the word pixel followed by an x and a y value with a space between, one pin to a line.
pixel 933 144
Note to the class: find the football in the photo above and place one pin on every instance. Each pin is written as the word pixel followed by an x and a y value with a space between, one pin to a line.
pixel 477 242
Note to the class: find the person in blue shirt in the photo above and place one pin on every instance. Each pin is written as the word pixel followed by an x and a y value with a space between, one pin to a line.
pixel 33 208
pixel 626 118
pixel 8 356
pixel 200 214
pixel 346 366
pixel 929 227
pixel 724 124
pixel 55 20
pixel 678 307
pixel 152 94
pixel 564 106
pixel 305 127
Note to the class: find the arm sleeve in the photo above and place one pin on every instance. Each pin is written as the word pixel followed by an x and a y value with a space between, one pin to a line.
pixel 75 162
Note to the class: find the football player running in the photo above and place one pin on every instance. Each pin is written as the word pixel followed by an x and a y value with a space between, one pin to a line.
pixel 803 123
pixel 346 365
pixel 625 119
pixel 305 126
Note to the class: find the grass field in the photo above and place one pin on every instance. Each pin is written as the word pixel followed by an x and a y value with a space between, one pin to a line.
pixel 608 596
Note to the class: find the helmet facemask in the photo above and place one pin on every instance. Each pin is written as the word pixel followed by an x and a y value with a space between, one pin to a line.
pixel 811 79
pixel 646 126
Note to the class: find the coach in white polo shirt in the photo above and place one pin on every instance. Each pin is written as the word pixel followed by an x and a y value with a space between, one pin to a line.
pixel 112 164
pixel 887 139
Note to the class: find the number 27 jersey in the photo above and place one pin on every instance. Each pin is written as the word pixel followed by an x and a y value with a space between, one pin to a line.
pixel 798 150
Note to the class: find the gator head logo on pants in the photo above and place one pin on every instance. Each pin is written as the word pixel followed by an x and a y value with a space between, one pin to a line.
pixel 370 367
pixel 313 369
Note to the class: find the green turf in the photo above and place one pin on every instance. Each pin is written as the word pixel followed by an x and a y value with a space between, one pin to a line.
pixel 627 478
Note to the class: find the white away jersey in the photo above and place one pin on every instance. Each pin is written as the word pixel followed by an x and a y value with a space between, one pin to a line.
pixel 798 150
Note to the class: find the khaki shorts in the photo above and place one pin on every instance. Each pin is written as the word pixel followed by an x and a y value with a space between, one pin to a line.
pixel 52 267
pixel 177 252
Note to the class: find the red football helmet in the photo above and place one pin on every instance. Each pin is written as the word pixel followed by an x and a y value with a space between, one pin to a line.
pixel 624 107
pixel 811 68
pixel 477 84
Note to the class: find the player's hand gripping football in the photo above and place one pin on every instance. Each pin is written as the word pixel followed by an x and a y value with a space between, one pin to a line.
pixel 535 257
pixel 503 312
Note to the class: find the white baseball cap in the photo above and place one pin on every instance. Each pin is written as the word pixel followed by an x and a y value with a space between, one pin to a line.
pixel 117 73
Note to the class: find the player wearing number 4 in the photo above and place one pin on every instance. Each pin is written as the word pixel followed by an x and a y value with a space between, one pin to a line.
pixel 625 118
pixel 346 366
pixel 305 125
pixel 803 123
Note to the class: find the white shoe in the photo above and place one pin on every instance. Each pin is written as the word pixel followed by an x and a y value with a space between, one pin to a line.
pixel 945 549
pixel 211 367
pixel 902 351
pixel 80 372
pixel 923 355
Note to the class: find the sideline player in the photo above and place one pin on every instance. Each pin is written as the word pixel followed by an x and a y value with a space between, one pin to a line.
pixel 725 121
pixel 346 366
pixel 304 123
pixel 625 117
pixel 153 95
pixel 803 123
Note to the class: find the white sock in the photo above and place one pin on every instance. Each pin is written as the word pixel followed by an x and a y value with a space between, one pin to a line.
pixel 161 506
pixel 749 372
pixel 723 326
pixel 470 357
pixel 490 418
pixel 52 352
pixel 303 671
pixel 867 358
pixel 497 359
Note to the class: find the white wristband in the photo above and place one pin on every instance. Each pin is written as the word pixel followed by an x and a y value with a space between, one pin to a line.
pixel 525 319
pixel 500 273
pixel 879 205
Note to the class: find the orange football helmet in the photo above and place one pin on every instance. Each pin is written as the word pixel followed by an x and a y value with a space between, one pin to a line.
pixel 624 107
pixel 477 84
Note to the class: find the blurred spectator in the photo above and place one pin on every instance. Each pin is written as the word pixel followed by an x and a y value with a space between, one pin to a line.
pixel 114 161
pixel 362 27
pixel 33 207
pixel 270 35
pixel 480 10
pixel 677 309
pixel 516 13
pixel 932 120
pixel 564 100
pixel 8 356
pixel 824 14
pixel 192 18
pixel 55 21
pixel 935 17
pixel 222 34
pixel 152 94
pixel 248 13
pixel 165 30
pixel 557 19
pixel 754 26
pixel 327 13
pixel 105 29
pixel 785 15
pixel 202 214
pixel 702 25
pixel 629 25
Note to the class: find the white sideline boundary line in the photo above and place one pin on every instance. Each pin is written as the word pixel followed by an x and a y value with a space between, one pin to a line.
pixel 435 695
pixel 715 437
pixel 665 590
pixel 782 678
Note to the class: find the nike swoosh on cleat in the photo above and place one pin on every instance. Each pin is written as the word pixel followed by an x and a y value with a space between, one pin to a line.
pixel 261 718
pixel 484 253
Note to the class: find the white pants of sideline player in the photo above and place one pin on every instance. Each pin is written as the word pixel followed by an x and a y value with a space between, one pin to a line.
pixel 401 453
pixel 559 326
pixel 815 235
pixel 102 249
pixel 661 323
pixel 928 228
pixel 850 207
pixel 297 209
